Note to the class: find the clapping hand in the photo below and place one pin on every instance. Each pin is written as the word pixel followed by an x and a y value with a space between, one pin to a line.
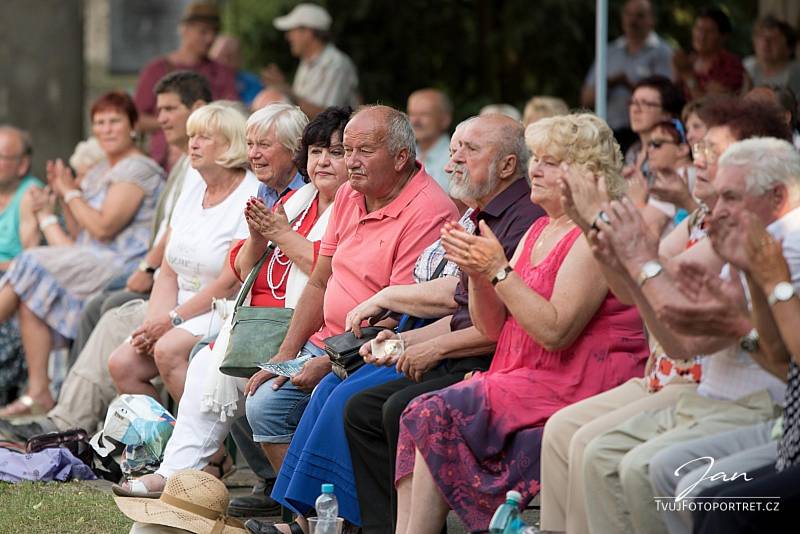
pixel 582 193
pixel 476 255
pixel 638 190
pixel 60 177
pixel 628 235
pixel 670 186
pixel 710 305
pixel 43 200
pixel 264 223
pixel 768 265
pixel 727 235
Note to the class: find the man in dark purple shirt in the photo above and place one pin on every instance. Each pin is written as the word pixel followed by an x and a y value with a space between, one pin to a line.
pixel 489 166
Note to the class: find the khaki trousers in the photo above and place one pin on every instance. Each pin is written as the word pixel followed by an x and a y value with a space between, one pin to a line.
pixel 566 435
pixel 88 389
pixel 619 497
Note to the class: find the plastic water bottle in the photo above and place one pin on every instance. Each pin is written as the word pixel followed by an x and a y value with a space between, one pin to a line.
pixel 507 520
pixel 327 510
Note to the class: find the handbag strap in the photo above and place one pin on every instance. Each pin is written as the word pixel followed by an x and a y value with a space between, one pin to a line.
pixel 437 272
pixel 409 322
pixel 251 278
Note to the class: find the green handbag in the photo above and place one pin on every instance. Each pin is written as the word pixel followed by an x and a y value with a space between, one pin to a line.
pixel 256 332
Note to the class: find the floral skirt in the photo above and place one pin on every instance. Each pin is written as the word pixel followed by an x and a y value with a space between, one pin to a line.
pixel 452 430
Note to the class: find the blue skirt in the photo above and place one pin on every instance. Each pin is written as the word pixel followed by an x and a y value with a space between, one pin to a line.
pixel 319 452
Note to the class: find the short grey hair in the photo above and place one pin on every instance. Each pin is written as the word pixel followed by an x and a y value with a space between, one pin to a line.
pixel 768 161
pixel 511 140
pixel 399 133
pixel 288 120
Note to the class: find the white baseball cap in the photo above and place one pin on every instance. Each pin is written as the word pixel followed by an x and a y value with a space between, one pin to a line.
pixel 304 16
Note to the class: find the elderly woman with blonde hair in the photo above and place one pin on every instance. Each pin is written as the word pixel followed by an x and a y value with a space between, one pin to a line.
pixel 561 337
pixel 206 221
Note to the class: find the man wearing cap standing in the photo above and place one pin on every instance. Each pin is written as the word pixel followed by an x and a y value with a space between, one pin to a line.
pixel 198 29
pixel 326 76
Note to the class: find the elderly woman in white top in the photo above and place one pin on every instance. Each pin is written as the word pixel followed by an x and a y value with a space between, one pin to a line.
pixel 206 221
pixel 211 399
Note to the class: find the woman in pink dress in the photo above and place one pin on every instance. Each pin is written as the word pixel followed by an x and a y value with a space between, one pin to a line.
pixel 561 337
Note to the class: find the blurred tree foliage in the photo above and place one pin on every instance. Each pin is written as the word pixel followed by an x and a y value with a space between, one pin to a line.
pixel 478 51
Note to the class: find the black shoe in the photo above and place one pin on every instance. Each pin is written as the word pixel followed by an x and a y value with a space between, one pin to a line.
pixel 25 431
pixel 259 504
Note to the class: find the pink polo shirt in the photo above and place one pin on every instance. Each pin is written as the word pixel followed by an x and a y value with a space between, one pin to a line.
pixel 373 250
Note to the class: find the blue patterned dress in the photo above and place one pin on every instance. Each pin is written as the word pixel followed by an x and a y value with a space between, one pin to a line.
pixel 54 281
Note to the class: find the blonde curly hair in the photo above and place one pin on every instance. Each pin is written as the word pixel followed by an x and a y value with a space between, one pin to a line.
pixel 583 139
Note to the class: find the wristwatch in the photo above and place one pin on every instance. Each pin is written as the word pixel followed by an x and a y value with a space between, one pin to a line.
pixel 501 275
pixel 146 268
pixel 782 292
pixel 749 341
pixel 174 318
pixel 650 269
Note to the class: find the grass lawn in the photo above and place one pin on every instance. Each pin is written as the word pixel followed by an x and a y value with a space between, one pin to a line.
pixel 57 508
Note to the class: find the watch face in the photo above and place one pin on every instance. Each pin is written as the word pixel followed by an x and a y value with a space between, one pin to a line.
pixel 651 269
pixel 783 291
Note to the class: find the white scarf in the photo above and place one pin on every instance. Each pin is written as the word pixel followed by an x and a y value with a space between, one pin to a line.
pixel 222 392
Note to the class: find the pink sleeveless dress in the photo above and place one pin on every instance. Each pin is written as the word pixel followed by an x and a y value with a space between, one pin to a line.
pixel 482 437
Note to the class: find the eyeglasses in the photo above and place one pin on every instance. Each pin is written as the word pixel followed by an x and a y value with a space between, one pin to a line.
pixel 643 104
pixel 709 154
pixel 658 143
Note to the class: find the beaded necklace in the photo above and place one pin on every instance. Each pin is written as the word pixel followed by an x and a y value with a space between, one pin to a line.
pixel 282 259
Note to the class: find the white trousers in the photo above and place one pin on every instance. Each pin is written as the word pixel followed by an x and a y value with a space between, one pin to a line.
pixel 197 434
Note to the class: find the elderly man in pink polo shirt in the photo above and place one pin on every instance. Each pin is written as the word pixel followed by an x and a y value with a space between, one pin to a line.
pixel 382 220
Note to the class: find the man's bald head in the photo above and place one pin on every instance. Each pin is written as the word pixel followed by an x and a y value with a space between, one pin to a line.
pixel 508 135
pixel 379 150
pixel 431 113
pixel 15 153
pixel 392 126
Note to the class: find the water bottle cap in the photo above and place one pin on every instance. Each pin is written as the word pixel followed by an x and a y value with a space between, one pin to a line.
pixel 328 488
pixel 514 496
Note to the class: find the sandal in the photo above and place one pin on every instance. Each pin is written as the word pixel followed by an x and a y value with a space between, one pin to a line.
pixel 257 526
pixel 24 406
pixel 135 488
pixel 222 474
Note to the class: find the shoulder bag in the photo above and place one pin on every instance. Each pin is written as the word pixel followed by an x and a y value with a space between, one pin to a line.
pixel 256 331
